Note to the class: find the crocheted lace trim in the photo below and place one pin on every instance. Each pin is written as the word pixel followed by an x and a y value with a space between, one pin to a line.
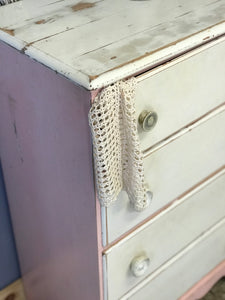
pixel 116 147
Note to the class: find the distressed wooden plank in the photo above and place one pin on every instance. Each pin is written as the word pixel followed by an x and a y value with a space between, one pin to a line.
pixel 23 13
pixel 46 23
pixel 89 43
pixel 13 292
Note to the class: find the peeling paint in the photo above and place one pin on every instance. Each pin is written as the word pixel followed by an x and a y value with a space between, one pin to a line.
pixel 24 49
pixel 9 31
pixel 43 21
pixel 126 49
pixel 82 5
pixel 92 77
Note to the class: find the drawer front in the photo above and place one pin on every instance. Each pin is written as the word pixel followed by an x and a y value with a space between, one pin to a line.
pixel 181 273
pixel 181 92
pixel 164 236
pixel 172 170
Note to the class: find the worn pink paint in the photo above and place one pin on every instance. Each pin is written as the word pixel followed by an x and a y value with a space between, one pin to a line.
pixel 94 93
pixel 45 147
pixel 201 288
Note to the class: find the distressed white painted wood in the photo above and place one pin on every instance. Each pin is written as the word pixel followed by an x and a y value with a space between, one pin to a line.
pixel 179 274
pixel 172 170
pixel 164 236
pixel 95 43
pixel 182 90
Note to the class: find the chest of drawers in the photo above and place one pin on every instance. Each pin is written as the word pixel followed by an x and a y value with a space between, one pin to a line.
pixel 55 61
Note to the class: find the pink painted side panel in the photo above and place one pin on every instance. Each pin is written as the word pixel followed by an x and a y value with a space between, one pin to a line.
pixel 45 147
pixel 201 288
pixel 99 226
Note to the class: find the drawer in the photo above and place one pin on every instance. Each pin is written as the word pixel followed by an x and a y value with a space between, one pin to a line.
pixel 182 91
pixel 164 236
pixel 170 171
pixel 181 273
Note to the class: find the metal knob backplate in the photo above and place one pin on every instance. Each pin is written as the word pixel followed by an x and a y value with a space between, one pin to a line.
pixel 148 120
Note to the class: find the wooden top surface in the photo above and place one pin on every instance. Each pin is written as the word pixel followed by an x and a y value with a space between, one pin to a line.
pixel 95 43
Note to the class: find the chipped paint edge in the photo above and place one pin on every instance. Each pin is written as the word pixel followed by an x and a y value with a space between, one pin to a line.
pixel 180 58
pixel 58 66
pixel 128 69
pixel 154 58
pixel 11 40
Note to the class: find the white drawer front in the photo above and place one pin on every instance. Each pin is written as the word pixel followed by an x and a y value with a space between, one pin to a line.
pixel 182 92
pixel 172 170
pixel 179 275
pixel 164 236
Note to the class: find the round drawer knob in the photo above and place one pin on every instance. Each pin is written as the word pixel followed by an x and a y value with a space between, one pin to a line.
pixel 139 265
pixel 148 120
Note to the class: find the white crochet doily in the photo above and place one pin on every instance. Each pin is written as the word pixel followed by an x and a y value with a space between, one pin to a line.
pixel 116 147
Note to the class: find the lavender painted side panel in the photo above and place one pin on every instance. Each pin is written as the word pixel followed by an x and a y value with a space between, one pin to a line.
pixel 9 267
pixel 46 155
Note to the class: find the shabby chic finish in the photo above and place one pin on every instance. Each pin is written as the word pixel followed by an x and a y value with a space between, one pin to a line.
pixel 204 254
pixel 172 170
pixel 178 95
pixel 120 42
pixel 45 139
pixel 151 240
pixel 176 53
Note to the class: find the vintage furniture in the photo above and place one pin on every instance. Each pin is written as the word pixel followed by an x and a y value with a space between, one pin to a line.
pixel 54 61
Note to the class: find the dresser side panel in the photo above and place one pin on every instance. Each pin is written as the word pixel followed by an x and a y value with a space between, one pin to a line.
pixel 45 147
pixel 9 268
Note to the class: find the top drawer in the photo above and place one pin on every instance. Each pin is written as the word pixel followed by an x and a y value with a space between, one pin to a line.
pixel 187 88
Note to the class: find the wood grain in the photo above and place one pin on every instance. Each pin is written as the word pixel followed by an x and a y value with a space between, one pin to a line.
pixel 124 37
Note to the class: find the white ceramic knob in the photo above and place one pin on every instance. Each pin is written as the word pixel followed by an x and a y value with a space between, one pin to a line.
pixel 139 265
